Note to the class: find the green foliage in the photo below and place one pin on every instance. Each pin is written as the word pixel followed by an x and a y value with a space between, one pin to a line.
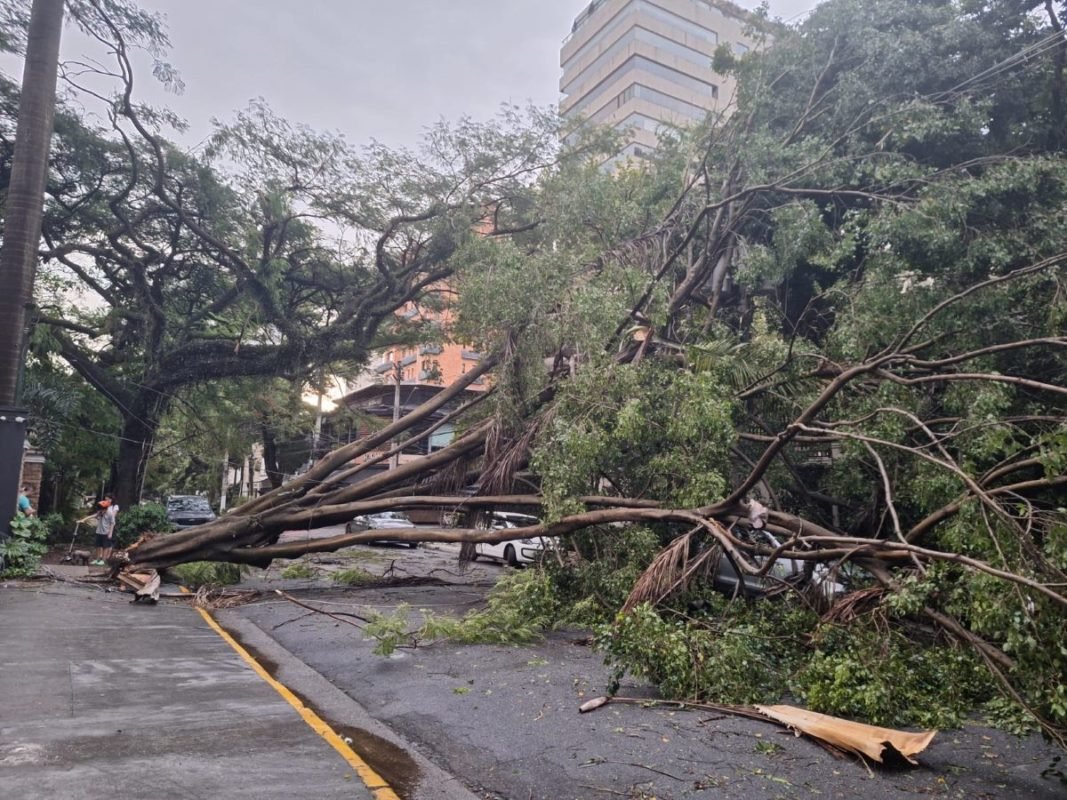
pixel 20 554
pixel 519 609
pixel 740 656
pixel 298 570
pixel 600 569
pixel 144 518
pixel 208 573
pixel 649 430
pixel 880 676
pixel 57 527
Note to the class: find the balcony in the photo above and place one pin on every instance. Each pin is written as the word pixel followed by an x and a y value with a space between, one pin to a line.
pixel 471 355
pixel 431 350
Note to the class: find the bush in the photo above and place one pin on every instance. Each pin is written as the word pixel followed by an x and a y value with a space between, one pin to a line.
pixel 145 518
pixel 57 529
pixel 20 555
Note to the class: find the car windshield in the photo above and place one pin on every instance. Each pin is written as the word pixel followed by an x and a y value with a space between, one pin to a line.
pixel 506 520
pixel 393 515
pixel 199 505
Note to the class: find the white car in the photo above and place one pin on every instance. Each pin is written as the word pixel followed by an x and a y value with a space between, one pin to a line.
pixel 514 553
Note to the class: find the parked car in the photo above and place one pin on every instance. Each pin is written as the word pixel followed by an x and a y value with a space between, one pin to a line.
pixel 514 553
pixel 381 521
pixel 188 510
pixel 784 570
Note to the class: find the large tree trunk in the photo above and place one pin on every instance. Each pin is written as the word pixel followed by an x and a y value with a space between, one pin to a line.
pixel 135 447
pixel 25 194
pixel 22 229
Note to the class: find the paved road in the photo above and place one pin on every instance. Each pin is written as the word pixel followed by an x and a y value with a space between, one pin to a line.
pixel 504 720
pixel 102 699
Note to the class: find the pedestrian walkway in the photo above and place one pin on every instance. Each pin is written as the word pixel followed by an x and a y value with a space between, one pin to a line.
pixel 100 698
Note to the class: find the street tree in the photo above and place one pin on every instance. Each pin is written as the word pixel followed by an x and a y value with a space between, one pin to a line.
pixel 275 252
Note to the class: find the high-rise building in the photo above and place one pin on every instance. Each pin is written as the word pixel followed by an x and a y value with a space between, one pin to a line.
pixel 639 64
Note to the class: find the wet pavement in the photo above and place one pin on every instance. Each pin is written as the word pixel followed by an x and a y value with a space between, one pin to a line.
pixel 103 699
pixel 505 722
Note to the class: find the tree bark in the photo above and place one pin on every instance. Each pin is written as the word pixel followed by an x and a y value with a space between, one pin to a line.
pixel 25 195
pixel 139 426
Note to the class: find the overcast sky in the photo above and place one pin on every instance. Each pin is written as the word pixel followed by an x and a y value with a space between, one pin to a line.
pixel 382 69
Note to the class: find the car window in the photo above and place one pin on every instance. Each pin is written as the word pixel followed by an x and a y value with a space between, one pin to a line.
pixel 198 505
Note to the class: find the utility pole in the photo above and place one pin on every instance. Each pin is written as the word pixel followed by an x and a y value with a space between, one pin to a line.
pixel 225 482
pixel 22 234
pixel 397 374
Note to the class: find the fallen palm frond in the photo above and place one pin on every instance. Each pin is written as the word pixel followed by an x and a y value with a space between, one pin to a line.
pixel 854 604
pixel 671 571
pixel 213 598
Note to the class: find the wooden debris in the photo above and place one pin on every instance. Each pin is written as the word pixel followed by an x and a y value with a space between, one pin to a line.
pixel 145 585
pixel 833 733
pixel 592 705
pixel 856 737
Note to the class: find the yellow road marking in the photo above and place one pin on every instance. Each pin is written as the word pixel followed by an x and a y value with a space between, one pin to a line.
pixel 377 785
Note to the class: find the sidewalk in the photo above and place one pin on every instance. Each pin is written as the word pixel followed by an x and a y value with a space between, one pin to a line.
pixel 103 699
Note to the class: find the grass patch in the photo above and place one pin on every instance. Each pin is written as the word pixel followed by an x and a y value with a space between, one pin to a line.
pixel 353 577
pixel 208 573
pixel 298 570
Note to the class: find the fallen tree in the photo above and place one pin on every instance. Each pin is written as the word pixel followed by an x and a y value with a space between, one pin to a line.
pixel 837 317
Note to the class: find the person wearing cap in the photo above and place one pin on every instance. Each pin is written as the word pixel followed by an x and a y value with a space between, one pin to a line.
pixel 105 515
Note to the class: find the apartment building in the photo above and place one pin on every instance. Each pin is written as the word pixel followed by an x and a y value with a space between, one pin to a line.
pixel 638 65
pixel 439 363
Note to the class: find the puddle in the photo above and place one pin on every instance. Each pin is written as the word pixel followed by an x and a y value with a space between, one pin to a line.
pixel 393 763
pixel 396 767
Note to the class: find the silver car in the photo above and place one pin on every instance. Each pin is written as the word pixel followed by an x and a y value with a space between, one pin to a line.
pixel 385 520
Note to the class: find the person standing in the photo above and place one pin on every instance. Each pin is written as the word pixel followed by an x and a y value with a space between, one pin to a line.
pixel 25 506
pixel 105 516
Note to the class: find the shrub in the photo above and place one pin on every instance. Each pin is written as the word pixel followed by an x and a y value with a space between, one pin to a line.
pixel 145 518
pixel 20 555
pixel 57 529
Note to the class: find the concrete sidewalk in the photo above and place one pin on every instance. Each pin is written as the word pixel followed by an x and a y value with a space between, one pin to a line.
pixel 103 699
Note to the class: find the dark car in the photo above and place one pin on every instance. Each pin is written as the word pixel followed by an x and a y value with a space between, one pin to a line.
pixel 784 571
pixel 188 510
pixel 382 521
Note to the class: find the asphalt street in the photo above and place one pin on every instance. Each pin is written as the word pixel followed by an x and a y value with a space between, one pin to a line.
pixel 504 721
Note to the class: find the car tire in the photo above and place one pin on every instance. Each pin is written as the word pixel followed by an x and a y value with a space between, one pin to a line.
pixel 413 545
pixel 510 558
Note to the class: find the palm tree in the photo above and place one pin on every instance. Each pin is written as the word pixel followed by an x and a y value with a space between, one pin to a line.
pixel 24 208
